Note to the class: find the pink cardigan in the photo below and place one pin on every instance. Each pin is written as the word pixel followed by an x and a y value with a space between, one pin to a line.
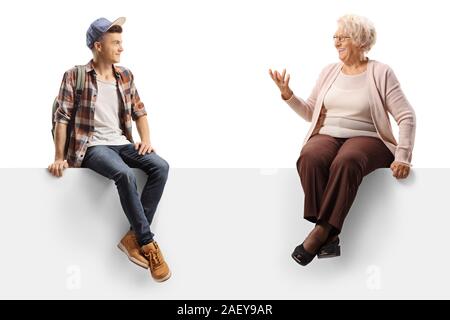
pixel 385 95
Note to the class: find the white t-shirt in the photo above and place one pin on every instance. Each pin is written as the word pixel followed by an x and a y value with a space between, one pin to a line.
pixel 106 117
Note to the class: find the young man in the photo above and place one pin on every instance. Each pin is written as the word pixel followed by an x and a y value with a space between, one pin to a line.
pixel 101 139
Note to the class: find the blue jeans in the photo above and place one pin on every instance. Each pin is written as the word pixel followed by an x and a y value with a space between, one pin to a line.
pixel 115 162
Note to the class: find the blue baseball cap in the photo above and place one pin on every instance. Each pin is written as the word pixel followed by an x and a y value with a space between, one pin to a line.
pixel 99 27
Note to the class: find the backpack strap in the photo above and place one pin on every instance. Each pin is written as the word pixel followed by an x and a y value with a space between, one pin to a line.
pixel 80 78
pixel 81 75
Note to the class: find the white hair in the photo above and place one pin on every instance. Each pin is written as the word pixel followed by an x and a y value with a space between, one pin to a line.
pixel 360 29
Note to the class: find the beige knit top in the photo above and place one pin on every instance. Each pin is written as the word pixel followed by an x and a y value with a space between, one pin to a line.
pixel 347 109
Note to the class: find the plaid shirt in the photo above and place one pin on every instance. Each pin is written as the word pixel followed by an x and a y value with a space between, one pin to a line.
pixel 130 108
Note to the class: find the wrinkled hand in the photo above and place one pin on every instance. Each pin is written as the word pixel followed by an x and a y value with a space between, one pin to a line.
pixel 57 167
pixel 282 81
pixel 143 147
pixel 400 170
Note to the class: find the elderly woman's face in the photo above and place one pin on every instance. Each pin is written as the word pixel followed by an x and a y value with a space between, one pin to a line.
pixel 347 50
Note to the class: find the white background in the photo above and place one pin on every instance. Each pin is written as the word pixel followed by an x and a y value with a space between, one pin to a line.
pixel 201 68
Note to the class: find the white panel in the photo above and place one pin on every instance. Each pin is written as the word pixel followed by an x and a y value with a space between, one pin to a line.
pixel 226 233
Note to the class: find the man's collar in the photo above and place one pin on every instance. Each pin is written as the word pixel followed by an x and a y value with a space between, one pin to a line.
pixel 90 68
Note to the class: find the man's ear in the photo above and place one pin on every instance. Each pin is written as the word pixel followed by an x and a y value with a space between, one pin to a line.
pixel 98 46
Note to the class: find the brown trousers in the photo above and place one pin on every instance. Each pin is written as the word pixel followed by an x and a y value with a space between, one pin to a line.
pixel 331 170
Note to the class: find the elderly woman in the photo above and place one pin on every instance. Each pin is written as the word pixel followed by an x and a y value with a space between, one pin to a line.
pixel 350 135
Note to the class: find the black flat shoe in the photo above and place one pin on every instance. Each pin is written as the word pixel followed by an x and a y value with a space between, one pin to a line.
pixel 301 256
pixel 330 250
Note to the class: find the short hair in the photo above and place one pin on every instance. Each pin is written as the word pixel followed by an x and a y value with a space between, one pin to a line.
pixel 115 29
pixel 360 29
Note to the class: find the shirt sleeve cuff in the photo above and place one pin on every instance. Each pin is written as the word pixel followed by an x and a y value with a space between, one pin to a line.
pixel 60 118
pixel 138 114
pixel 403 155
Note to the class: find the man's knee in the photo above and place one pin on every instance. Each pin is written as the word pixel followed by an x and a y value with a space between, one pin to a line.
pixel 162 169
pixel 157 168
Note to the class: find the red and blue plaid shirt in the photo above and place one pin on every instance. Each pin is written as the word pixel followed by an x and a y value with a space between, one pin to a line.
pixel 130 108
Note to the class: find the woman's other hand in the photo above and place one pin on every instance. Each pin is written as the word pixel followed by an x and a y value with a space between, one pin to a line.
pixel 400 170
pixel 282 81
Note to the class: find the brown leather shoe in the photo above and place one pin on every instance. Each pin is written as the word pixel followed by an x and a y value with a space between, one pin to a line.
pixel 158 267
pixel 131 248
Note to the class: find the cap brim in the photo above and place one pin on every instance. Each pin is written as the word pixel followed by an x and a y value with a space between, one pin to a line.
pixel 118 22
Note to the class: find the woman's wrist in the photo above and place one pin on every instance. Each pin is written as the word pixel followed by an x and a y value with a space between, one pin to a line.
pixel 287 95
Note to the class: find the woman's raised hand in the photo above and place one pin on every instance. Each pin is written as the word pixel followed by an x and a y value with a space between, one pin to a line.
pixel 282 81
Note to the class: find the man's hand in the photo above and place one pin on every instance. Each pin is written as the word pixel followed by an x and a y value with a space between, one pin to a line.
pixel 400 170
pixel 143 147
pixel 57 167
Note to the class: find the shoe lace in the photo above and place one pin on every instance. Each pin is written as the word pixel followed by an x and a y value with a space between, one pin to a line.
pixel 155 257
